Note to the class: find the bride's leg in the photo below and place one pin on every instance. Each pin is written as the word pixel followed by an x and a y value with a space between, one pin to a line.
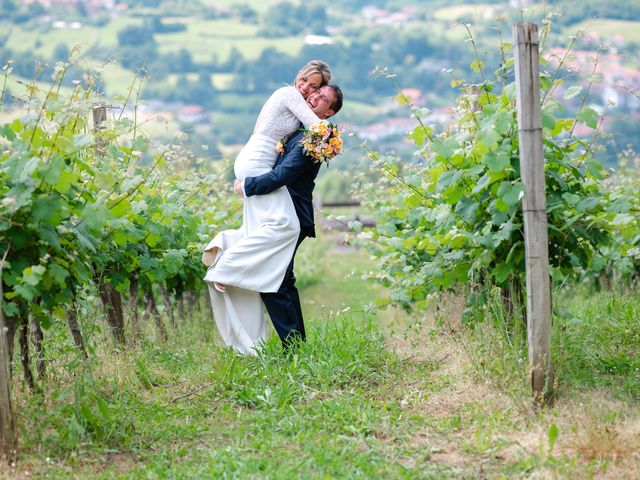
pixel 258 260
pixel 239 318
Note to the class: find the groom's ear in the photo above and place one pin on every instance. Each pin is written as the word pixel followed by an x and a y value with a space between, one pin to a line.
pixel 330 113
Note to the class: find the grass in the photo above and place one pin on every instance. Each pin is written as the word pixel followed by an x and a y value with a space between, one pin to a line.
pixel 356 401
pixel 258 5
pixel 206 38
pixel 312 409
pixel 203 38
pixel 607 28
pixel 598 342
pixel 25 39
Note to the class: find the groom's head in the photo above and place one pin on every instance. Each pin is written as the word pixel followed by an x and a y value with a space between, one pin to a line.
pixel 326 101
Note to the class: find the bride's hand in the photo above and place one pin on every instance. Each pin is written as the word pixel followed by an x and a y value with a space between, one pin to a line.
pixel 238 187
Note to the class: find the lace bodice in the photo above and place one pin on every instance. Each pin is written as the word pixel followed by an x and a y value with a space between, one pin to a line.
pixel 282 113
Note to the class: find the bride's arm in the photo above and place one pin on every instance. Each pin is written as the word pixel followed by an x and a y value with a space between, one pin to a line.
pixel 297 105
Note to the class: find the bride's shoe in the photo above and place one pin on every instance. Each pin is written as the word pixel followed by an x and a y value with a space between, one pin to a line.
pixel 220 287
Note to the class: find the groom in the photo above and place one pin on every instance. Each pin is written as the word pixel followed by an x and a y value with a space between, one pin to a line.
pixel 297 171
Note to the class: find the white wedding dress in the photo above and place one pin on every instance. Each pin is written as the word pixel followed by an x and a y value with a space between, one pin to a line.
pixel 255 257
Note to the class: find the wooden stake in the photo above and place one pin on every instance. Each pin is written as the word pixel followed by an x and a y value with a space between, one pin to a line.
pixel 7 430
pixel 99 117
pixel 525 43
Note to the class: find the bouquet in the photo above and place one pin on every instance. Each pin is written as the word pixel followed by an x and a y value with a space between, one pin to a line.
pixel 322 141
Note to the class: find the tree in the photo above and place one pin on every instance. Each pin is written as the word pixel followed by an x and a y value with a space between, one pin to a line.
pixel 246 13
pixel 315 17
pixel 139 56
pixel 7 8
pixel 61 52
pixel 284 19
pixel 234 61
pixel 202 91
pixel 135 36
pixel 184 61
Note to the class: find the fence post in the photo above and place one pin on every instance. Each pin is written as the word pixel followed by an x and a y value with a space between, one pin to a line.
pixel 525 44
pixel 7 431
pixel 99 111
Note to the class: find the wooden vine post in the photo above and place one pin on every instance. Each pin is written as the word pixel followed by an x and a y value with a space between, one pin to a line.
pixel 525 44
pixel 110 297
pixel 7 424
pixel 99 111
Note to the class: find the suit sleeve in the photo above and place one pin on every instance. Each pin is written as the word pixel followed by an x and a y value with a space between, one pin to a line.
pixel 293 165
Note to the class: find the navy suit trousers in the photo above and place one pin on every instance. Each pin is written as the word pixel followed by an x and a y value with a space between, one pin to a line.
pixel 284 306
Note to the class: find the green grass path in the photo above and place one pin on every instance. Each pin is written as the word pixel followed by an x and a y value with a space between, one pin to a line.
pixel 355 402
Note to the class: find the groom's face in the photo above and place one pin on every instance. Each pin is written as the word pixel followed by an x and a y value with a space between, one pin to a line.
pixel 321 100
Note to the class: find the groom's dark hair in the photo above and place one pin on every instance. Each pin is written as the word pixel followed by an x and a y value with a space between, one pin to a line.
pixel 337 104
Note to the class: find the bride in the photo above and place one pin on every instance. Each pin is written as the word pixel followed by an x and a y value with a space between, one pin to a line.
pixel 253 259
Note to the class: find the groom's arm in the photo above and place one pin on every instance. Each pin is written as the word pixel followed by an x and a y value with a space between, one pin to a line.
pixel 293 166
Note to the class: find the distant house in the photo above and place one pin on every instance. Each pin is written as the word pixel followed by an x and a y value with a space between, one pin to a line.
pixel 192 114
pixel 375 16
pixel 441 115
pixel 90 4
pixel 389 127
pixel 410 12
pixel 617 82
pixel 399 126
pixel 221 10
pixel 317 40
pixel 413 94
pixel 520 3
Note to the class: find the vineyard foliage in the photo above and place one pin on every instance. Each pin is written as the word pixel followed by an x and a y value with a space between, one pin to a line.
pixel 85 211
pixel 454 216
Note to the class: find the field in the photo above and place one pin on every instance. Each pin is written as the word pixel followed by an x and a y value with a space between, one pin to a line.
pixel 44 39
pixel 203 38
pixel 100 223
pixel 371 395
pixel 206 38
pixel 626 30
pixel 258 5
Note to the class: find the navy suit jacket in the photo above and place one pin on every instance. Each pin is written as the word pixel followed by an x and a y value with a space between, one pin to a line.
pixel 298 172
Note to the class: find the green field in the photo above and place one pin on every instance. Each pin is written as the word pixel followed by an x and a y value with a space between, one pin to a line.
pixel 371 395
pixel 258 5
pixel 439 389
pixel 25 39
pixel 203 38
pixel 206 38
pixel 626 30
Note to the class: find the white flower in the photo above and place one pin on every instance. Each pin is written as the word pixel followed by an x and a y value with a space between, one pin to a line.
pixel 8 201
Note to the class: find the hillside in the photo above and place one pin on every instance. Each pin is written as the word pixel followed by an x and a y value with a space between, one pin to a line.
pixel 226 57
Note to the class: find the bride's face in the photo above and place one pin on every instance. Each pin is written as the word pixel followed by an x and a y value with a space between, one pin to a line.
pixel 307 84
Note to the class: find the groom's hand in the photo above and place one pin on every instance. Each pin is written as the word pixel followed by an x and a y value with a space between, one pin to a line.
pixel 238 187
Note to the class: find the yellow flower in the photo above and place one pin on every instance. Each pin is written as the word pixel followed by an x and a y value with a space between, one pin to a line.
pixel 336 143
pixel 321 128
pixel 322 141
pixel 280 146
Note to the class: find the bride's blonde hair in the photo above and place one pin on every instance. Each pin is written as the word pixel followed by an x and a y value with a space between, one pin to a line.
pixel 315 66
